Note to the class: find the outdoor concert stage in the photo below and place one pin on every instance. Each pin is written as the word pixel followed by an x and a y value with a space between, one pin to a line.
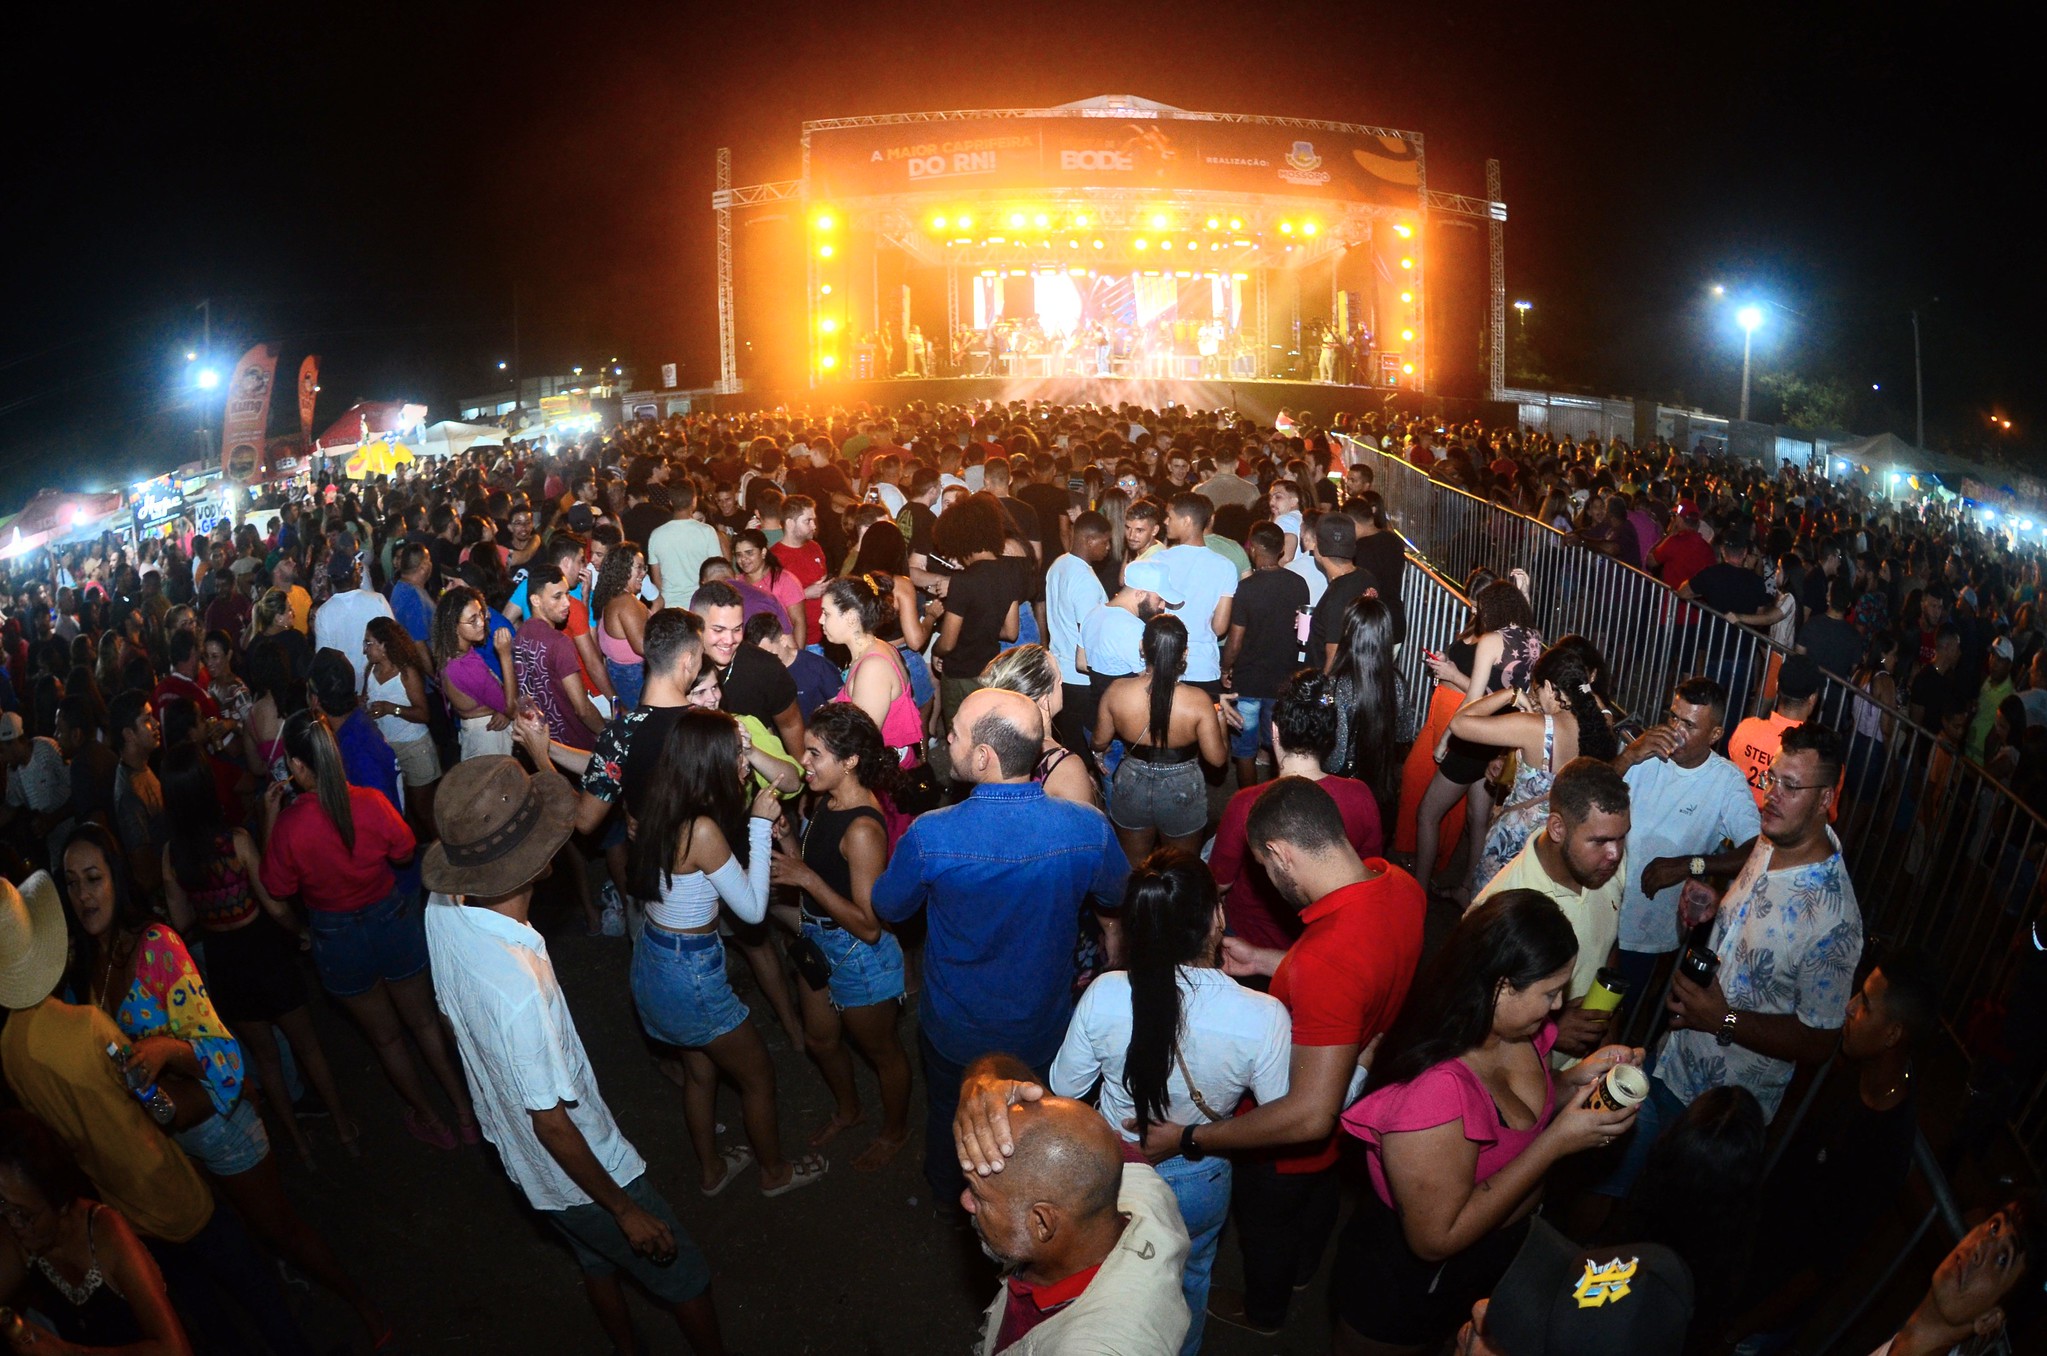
pixel 1155 247
pixel 1261 401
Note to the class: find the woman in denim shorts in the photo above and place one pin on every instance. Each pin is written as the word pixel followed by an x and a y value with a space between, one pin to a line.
pixel 141 974
pixel 852 967
pixel 698 846
pixel 1169 729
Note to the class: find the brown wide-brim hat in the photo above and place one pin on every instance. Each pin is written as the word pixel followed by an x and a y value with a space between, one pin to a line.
pixel 499 827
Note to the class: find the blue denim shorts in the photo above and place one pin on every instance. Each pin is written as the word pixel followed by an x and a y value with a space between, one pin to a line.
pixel 1257 731
pixel 601 1248
pixel 1171 798
pixel 627 681
pixel 680 987
pixel 921 689
pixel 229 1145
pixel 354 950
pixel 863 973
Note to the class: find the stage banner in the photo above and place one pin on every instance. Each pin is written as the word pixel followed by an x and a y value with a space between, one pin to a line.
pixel 247 415
pixel 980 156
pixel 309 387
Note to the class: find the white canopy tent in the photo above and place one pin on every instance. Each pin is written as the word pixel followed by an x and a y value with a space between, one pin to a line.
pixel 450 439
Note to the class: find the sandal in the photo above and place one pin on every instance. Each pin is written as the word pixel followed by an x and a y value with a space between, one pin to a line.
pixel 735 1160
pixel 439 1136
pixel 803 1172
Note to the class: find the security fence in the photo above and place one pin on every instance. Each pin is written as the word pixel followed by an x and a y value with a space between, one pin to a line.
pixel 1944 858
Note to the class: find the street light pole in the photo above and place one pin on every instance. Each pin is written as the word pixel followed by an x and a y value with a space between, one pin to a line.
pixel 1918 385
pixel 1747 335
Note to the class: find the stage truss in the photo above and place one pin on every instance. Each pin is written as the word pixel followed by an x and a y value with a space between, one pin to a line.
pixel 901 221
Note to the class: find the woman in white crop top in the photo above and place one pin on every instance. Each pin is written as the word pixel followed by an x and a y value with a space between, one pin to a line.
pixel 697 844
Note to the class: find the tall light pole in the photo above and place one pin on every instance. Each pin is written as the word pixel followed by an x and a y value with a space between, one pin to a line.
pixel 1750 317
pixel 1521 310
pixel 1918 386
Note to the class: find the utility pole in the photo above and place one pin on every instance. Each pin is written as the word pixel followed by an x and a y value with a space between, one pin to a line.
pixel 1918 384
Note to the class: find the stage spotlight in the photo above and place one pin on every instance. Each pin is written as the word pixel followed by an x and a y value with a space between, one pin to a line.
pixel 1407 368
pixel 1041 221
pixel 1241 277
pixel 1073 244
pixel 1165 244
pixel 1098 244
pixel 1081 221
pixel 938 223
pixel 1407 263
pixel 1076 272
pixel 825 291
pixel 1407 336
pixel 966 222
pixel 1194 244
pixel 1236 223
pixel 1286 228
pixel 1407 297
pixel 991 273
pixel 1214 245
pixel 1016 218
pixel 996 240
pixel 1183 273
pixel 1241 244
pixel 1308 228
pixel 1016 273
pixel 824 251
pixel 1140 243
pixel 1402 229
pixel 1158 221
pixel 1213 223
pixel 824 221
pixel 828 362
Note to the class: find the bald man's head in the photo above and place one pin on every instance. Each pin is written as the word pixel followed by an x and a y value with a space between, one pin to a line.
pixel 996 736
pixel 1058 1191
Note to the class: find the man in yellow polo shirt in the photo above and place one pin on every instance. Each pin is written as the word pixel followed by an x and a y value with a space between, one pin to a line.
pixel 1576 860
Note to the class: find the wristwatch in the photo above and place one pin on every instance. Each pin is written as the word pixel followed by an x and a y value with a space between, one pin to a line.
pixel 1189 1150
pixel 1698 867
pixel 1726 1034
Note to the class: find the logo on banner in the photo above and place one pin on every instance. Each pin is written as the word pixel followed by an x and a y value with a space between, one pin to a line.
pixel 242 461
pixel 1122 162
pixel 1303 166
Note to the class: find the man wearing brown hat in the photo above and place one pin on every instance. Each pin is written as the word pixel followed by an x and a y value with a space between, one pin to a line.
pixel 536 1097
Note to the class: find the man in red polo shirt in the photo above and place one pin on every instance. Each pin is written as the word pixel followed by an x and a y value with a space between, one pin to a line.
pixel 1342 980
pixel 802 557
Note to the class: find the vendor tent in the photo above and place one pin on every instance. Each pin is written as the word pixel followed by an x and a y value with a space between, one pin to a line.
pixel 451 439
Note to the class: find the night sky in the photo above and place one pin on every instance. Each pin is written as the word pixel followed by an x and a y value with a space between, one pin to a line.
pixel 369 182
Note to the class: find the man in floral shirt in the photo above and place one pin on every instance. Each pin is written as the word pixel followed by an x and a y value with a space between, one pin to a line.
pixel 1787 940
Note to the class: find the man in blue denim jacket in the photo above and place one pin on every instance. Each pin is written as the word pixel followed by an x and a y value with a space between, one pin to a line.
pixel 1002 878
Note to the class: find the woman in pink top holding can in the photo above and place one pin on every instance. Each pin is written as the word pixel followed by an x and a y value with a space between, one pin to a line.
pixel 1463 1120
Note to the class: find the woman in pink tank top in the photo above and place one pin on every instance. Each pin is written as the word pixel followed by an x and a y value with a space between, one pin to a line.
pixel 1463 1096
pixel 876 682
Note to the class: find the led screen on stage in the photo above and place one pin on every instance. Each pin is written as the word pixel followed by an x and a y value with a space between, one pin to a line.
pixel 982 156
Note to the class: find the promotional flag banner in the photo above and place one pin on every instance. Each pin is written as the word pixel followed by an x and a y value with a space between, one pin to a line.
pixel 309 386
pixel 247 415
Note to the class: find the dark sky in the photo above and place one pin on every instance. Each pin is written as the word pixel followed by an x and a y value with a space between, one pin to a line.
pixel 368 181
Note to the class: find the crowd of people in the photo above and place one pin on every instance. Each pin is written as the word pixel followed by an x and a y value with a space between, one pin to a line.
pixel 1082 727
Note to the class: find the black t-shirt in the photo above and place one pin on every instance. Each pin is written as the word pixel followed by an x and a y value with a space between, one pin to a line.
pixel 639 521
pixel 1833 643
pixel 1049 503
pixel 1327 626
pixel 1020 513
pixel 918 523
pixel 980 596
pixel 1384 555
pixel 1847 1163
pixel 757 685
pixel 1730 589
pixel 1267 603
pixel 1941 694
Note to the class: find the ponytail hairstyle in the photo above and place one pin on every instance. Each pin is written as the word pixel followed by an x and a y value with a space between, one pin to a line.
pixel 870 597
pixel 1305 718
pixel 307 738
pixel 1164 648
pixel 1371 506
pixel 697 777
pixel 848 732
pixel 1572 667
pixel 1169 909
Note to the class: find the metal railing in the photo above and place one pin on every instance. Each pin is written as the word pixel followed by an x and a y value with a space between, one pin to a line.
pixel 1945 859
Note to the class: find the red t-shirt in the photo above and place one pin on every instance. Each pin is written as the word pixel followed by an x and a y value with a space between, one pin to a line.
pixel 1682 555
pixel 1345 979
pixel 305 855
pixel 807 563
pixel 1254 909
pixel 1029 1305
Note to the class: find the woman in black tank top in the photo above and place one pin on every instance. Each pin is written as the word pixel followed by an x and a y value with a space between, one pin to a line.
pixel 852 967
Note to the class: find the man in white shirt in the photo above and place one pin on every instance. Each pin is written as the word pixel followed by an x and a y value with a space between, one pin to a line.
pixel 1687 800
pixel 1072 590
pixel 1205 583
pixel 345 616
pixel 536 1097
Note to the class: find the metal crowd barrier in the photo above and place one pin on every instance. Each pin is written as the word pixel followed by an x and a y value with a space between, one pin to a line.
pixel 1945 859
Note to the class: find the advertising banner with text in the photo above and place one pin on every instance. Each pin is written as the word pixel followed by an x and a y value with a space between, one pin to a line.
pixel 977 158
pixel 247 416
pixel 309 389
